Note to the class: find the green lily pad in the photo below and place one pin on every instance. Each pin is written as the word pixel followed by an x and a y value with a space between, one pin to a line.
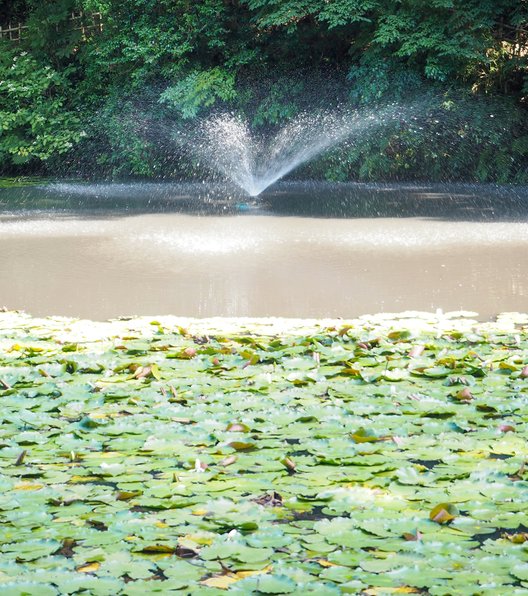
pixel 275 584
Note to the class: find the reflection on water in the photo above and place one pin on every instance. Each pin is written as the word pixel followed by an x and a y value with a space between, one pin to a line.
pixel 100 251
pixel 466 202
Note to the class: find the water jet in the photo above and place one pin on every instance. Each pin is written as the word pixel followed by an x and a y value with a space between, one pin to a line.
pixel 254 160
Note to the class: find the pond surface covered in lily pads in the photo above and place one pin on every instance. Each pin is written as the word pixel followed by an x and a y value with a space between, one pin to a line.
pixel 375 456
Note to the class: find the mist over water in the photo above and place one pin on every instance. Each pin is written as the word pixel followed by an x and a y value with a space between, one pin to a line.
pixel 253 161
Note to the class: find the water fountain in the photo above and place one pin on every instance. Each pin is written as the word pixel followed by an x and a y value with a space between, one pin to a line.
pixel 254 161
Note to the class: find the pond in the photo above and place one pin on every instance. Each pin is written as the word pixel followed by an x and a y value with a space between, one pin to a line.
pixel 298 250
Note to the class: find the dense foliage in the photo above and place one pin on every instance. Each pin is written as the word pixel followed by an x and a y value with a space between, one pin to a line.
pixel 381 456
pixel 107 101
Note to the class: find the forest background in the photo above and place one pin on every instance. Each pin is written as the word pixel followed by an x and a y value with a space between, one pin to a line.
pixel 103 95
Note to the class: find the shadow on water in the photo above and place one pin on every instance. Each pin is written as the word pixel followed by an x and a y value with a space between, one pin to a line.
pixel 446 202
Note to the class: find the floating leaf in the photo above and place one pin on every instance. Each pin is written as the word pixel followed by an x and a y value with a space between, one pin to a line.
pixel 414 536
pixel 364 436
pixel 506 428
pixel 390 590
pixel 158 548
pixel 436 372
pixel 222 582
pixel 464 395
pixel 443 513
pixel 238 427
pixel 416 351
pixel 124 495
pixel 520 571
pixel 275 584
pixel 242 445
pixel 325 563
pixel 89 567
pixel 227 461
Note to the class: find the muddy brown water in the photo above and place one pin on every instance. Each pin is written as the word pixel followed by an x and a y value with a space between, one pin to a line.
pixel 456 248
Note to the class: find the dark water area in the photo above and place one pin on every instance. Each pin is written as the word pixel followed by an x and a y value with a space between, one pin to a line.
pixel 298 250
pixel 457 202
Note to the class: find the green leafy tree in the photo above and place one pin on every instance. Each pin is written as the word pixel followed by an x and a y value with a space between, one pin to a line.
pixel 34 124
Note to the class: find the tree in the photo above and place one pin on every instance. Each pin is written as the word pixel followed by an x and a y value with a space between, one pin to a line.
pixel 34 123
pixel 173 61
